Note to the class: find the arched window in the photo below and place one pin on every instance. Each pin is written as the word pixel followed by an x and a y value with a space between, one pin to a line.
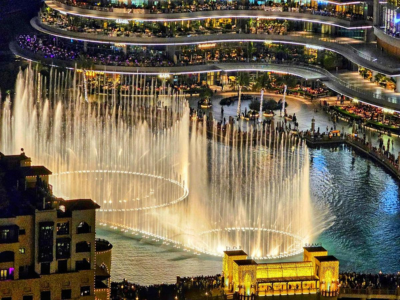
pixel 83 227
pixel 82 247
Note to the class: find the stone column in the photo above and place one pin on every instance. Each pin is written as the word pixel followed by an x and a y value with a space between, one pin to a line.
pixel 376 13
pixel 398 84
pixel 170 51
pixel 369 35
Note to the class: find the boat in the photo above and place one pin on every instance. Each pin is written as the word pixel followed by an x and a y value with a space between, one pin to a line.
pixel 205 103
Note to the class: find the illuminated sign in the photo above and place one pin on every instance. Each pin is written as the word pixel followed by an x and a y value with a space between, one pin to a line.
pixel 122 21
pixel 164 75
pixel 314 47
pixel 119 45
pixel 205 46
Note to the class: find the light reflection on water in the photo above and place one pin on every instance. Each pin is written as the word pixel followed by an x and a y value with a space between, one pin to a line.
pixel 362 197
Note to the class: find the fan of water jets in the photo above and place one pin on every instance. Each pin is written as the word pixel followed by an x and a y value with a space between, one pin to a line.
pixel 131 151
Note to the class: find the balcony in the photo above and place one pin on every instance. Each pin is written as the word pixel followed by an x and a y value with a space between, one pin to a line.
pixel 103 245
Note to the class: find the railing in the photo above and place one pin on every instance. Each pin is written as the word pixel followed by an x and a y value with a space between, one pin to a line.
pixel 368 291
pixel 348 16
pixel 383 159
pixel 321 40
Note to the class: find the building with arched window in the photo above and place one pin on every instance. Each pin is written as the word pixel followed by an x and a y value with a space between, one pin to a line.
pixel 48 248
pixel 318 272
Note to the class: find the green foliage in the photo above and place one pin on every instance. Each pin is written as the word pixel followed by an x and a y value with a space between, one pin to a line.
pixel 263 81
pixel 205 93
pixel 243 79
pixel 329 61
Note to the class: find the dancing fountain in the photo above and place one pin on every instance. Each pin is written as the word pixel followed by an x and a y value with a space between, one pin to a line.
pixel 137 154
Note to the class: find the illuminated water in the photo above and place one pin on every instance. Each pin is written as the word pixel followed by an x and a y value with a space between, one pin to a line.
pixel 246 194
pixel 365 236
pixel 132 153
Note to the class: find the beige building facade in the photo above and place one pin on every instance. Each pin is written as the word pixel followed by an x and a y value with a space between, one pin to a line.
pixel 48 248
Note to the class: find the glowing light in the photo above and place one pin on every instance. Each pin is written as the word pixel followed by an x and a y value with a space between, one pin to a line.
pixel 206 46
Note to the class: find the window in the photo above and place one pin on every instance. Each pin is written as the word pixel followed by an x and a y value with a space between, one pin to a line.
pixel 5 233
pixel 65 294
pixel 22 250
pixel 22 232
pixel 45 268
pixel 82 247
pixel 62 266
pixel 9 234
pixel 6 256
pixel 45 295
pixel 62 228
pixel 6 298
pixel 7 274
pixel 27 298
pixel 85 290
pixel 4 274
pixel 82 265
pixel 46 241
pixel 63 248
pixel 83 227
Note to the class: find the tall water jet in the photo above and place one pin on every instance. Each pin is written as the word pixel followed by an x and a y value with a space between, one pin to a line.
pixel 138 154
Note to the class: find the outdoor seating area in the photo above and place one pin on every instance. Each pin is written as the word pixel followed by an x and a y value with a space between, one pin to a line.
pixel 372 115
pixel 349 12
pixel 49 49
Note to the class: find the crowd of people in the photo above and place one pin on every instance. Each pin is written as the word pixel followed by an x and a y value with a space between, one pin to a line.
pixel 155 29
pixel 146 57
pixel 184 288
pixel 373 113
pixel 59 50
pixel 372 281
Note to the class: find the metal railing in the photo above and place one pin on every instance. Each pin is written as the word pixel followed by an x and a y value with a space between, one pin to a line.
pixel 222 7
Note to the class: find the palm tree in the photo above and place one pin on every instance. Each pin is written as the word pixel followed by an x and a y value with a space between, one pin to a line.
pixel 243 80
pixel 263 81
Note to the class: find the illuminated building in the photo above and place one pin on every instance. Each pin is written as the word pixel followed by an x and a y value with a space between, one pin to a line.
pixel 48 248
pixel 318 272
pixel 167 30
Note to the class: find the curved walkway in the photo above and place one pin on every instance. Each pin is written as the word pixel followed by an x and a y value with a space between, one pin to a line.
pixel 301 70
pixel 212 14
pixel 343 46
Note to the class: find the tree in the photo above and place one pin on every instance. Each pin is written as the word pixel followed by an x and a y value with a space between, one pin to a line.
pixel 329 60
pixel 242 80
pixel 263 81
pixel 205 93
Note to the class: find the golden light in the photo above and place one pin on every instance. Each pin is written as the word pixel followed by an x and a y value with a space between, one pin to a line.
pixel 207 46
